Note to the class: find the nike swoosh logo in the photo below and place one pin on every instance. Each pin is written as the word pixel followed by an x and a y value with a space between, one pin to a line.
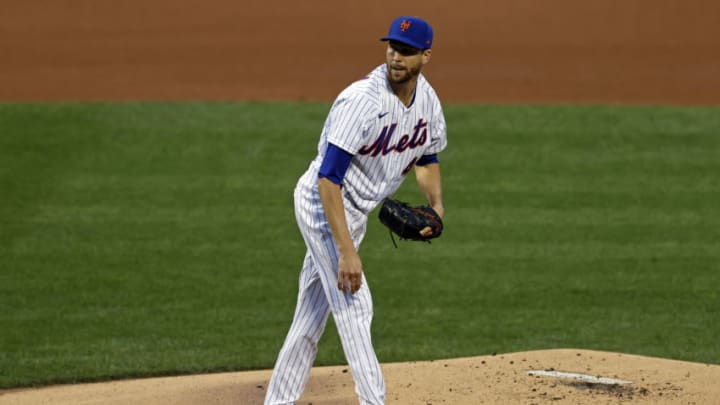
pixel 383 114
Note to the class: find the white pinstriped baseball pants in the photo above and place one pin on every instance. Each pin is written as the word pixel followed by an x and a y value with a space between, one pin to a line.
pixel 318 296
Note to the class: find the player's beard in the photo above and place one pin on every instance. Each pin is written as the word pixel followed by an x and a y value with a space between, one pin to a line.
pixel 403 75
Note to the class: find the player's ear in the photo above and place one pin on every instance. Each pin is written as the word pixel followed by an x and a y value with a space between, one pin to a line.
pixel 427 53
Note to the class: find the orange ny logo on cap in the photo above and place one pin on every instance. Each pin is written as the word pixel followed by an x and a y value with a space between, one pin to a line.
pixel 404 25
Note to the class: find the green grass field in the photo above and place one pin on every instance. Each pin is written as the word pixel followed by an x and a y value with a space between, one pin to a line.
pixel 159 238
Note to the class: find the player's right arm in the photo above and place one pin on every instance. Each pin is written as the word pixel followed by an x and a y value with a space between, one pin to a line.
pixel 348 120
pixel 331 174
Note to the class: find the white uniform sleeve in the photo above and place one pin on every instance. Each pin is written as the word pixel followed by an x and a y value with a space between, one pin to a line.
pixel 349 121
pixel 438 133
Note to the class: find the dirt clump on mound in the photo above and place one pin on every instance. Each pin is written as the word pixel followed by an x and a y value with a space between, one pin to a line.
pixel 538 377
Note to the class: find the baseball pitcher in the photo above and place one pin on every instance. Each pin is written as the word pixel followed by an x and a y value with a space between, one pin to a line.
pixel 377 131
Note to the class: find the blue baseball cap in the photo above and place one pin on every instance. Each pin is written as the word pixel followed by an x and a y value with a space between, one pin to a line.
pixel 412 31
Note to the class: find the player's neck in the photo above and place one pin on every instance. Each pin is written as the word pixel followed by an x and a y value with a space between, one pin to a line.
pixel 405 91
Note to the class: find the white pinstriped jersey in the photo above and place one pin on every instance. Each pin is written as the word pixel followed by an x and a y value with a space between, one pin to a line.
pixel 386 138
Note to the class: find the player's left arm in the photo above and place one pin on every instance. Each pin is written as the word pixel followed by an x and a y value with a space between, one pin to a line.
pixel 430 182
pixel 427 168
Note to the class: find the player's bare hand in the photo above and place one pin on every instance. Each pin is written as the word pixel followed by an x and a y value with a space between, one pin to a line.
pixel 427 231
pixel 349 273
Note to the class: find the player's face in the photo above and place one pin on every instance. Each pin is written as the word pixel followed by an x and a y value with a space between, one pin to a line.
pixel 404 62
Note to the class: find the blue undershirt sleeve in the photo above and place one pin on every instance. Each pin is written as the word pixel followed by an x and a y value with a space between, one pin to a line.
pixel 427 159
pixel 335 164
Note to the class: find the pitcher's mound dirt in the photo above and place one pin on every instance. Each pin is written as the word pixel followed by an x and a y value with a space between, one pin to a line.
pixel 500 379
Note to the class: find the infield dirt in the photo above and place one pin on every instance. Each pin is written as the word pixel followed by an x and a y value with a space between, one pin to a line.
pixel 613 51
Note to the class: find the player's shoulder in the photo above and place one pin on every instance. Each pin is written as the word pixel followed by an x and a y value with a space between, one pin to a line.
pixel 367 86
pixel 427 89
pixel 426 97
pixel 365 91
